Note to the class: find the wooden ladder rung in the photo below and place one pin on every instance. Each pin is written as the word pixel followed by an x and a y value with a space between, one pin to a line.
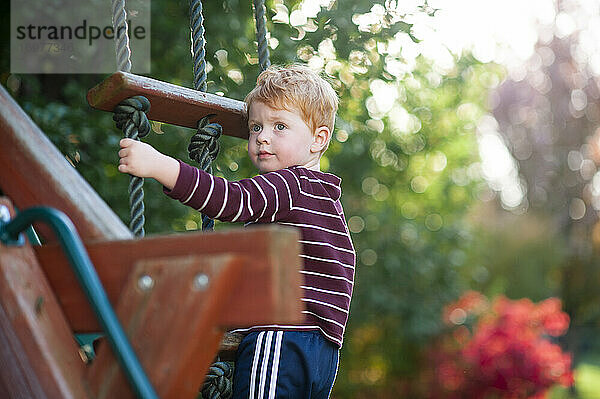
pixel 271 282
pixel 170 103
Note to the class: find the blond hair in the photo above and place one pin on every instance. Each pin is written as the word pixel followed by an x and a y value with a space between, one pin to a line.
pixel 297 87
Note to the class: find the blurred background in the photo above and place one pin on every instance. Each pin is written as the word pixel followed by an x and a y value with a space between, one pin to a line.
pixel 468 142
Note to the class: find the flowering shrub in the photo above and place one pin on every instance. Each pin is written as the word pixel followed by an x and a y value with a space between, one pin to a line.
pixel 500 350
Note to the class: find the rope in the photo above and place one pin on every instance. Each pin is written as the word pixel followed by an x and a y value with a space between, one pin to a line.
pixel 261 33
pixel 204 145
pixel 218 381
pixel 119 21
pixel 130 117
pixel 204 148
pixel 198 44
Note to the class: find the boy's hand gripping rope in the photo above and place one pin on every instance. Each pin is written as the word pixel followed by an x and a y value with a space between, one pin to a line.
pixel 130 117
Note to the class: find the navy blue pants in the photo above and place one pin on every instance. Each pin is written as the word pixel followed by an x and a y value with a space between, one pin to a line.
pixel 285 364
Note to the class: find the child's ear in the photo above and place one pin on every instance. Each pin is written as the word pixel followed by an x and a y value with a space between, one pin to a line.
pixel 320 139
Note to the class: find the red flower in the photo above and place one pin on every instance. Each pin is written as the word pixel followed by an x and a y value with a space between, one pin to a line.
pixel 507 356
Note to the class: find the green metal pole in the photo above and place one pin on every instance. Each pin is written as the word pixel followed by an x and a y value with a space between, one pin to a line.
pixel 89 280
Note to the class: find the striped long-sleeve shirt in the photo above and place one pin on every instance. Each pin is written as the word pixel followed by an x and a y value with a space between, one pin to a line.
pixel 298 197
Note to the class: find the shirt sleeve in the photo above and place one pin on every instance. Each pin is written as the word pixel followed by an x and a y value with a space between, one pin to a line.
pixel 264 198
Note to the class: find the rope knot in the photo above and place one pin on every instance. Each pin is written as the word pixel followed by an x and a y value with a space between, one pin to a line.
pixel 204 145
pixel 130 116
pixel 218 381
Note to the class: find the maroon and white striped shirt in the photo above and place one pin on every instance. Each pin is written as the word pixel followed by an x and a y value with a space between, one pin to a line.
pixel 306 199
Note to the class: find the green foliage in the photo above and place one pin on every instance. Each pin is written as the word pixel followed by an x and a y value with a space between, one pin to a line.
pixel 527 264
pixel 587 380
pixel 409 167
pixel 413 208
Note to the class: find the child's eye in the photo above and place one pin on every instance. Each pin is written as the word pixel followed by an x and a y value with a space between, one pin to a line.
pixel 280 126
pixel 255 128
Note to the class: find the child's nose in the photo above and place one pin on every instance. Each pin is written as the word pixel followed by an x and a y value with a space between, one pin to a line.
pixel 263 137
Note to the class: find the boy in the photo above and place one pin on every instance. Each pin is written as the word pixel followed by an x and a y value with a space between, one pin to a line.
pixel 291 113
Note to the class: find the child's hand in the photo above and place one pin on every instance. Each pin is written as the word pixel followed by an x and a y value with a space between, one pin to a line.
pixel 142 160
pixel 137 158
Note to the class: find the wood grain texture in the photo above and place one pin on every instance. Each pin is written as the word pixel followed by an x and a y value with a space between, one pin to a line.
pixel 229 345
pixel 38 353
pixel 33 172
pixel 17 377
pixel 271 280
pixel 172 325
pixel 170 103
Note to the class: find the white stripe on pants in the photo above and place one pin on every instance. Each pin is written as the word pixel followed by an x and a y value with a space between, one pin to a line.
pixel 262 358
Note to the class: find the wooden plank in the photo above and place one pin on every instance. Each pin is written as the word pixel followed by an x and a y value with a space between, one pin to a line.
pixel 229 345
pixel 170 103
pixel 42 352
pixel 172 324
pixel 270 292
pixel 17 378
pixel 33 172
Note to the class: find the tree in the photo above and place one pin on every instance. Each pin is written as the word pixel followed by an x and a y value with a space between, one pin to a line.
pixel 548 117
pixel 404 145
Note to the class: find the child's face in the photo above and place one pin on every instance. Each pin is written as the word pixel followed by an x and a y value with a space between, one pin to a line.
pixel 279 139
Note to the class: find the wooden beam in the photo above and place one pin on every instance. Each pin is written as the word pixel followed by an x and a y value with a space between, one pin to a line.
pixel 170 103
pixel 271 277
pixel 33 172
pixel 229 345
pixel 17 376
pixel 172 323
pixel 38 354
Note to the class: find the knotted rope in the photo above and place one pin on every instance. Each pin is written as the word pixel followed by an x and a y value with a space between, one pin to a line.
pixel 261 33
pixel 130 117
pixel 218 381
pixel 204 145
pixel 204 148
